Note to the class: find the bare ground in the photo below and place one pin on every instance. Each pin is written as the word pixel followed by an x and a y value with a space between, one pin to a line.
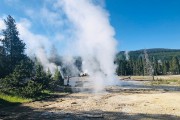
pixel 124 104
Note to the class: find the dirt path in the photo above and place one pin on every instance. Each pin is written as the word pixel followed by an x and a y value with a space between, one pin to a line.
pixel 143 105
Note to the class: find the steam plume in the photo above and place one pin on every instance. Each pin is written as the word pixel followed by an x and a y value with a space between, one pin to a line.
pixel 127 55
pixel 94 39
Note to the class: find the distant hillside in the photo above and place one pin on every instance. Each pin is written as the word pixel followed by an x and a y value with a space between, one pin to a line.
pixel 158 53
pixel 157 61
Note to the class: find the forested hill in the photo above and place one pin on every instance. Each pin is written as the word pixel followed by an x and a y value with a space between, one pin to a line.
pixel 157 61
pixel 157 53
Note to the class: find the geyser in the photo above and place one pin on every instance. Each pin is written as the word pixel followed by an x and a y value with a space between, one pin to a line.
pixel 93 39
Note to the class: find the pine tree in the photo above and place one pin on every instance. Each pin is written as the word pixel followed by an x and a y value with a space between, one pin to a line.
pixel 19 78
pixel 175 67
pixel 3 68
pixel 39 70
pixel 49 73
pixel 57 77
pixel 14 47
pixel 155 66
pixel 165 67
pixel 41 77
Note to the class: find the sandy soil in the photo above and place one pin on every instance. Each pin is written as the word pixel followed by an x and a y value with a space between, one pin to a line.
pixel 127 104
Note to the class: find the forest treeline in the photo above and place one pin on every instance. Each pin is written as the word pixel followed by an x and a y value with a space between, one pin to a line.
pixel 19 74
pixel 148 62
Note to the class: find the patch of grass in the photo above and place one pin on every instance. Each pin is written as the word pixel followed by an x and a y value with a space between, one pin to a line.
pixel 14 99
pixel 9 100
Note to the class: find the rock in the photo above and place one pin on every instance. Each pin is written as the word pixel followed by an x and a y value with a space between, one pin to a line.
pixel 93 116
pixel 74 103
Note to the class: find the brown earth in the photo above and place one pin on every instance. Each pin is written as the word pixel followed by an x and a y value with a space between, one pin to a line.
pixel 123 104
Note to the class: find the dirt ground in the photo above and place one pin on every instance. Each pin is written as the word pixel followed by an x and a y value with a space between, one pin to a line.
pixel 124 104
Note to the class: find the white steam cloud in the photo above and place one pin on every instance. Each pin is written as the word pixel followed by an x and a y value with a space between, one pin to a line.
pixel 37 45
pixel 2 26
pixel 126 53
pixel 93 38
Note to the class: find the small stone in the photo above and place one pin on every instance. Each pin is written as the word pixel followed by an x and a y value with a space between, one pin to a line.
pixel 74 103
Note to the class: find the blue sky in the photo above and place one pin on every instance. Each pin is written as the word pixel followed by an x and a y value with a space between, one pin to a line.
pixel 138 24
pixel 145 23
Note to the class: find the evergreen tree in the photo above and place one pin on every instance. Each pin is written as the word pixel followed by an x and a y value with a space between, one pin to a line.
pixel 175 67
pixel 57 77
pixel 3 68
pixel 20 76
pixel 159 68
pixel 165 67
pixel 128 68
pixel 49 73
pixel 41 77
pixel 141 66
pixel 13 46
pixel 155 66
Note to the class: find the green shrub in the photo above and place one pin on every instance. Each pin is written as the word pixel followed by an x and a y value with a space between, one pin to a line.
pixel 31 90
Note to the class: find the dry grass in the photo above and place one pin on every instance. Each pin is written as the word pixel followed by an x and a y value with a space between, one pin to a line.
pixel 13 99
pixel 158 80
pixel 160 77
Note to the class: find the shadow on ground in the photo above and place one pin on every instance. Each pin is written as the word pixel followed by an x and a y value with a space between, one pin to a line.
pixel 4 103
pixel 24 112
pixel 20 112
